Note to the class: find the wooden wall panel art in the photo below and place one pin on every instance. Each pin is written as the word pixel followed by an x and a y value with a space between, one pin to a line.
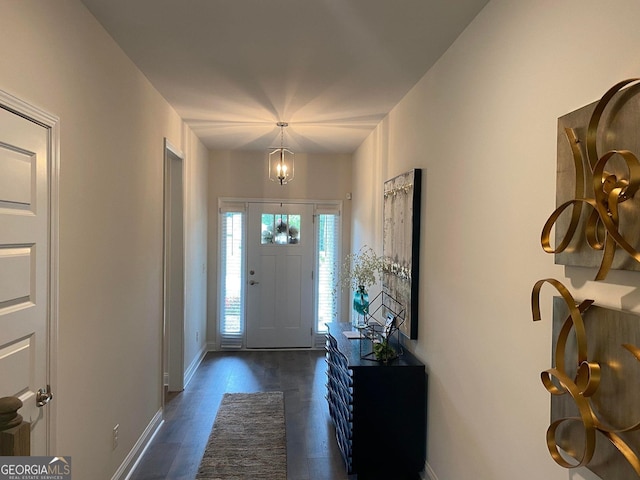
pixel 598 175
pixel 595 402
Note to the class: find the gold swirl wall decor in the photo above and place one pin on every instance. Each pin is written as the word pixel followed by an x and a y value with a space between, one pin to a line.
pixel 598 189
pixel 592 386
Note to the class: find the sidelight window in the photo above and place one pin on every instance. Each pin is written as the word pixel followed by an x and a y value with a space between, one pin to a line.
pixel 231 275
pixel 327 252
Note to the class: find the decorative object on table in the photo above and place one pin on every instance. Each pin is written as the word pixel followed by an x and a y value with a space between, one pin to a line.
pixel 593 386
pixel 383 350
pixel 361 300
pixel 597 207
pixel 401 244
pixel 380 333
pixel 248 439
pixel 359 272
pixel 281 160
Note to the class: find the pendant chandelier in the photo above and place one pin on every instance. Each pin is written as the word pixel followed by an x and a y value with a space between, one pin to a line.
pixel 281 160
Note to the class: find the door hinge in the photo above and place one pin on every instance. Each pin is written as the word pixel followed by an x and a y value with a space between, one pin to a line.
pixel 311 274
pixel 311 329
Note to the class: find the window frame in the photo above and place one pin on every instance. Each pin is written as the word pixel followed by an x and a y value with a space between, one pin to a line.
pixel 225 339
pixel 336 210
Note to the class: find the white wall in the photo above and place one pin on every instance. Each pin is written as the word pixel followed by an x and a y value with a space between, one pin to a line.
pixel 482 123
pixel 55 55
pixel 196 224
pixel 244 174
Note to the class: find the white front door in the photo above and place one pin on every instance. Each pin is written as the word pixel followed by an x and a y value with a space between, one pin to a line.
pixel 280 243
pixel 24 263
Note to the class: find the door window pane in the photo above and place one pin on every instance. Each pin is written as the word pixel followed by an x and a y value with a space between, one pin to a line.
pixel 280 229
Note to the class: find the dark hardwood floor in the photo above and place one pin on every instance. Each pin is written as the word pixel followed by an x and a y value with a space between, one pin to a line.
pixel 312 453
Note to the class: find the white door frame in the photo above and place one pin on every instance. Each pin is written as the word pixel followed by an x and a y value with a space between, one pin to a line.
pixel 173 325
pixel 52 124
pixel 319 205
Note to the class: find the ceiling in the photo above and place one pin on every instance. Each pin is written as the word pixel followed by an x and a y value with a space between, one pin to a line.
pixel 332 69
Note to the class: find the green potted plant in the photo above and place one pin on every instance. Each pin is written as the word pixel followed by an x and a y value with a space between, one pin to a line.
pixel 383 352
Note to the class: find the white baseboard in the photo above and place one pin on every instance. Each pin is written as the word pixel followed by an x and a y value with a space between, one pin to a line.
pixel 133 458
pixel 191 370
pixel 430 474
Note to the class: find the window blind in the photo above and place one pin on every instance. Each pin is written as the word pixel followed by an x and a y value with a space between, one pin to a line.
pixel 231 275
pixel 328 243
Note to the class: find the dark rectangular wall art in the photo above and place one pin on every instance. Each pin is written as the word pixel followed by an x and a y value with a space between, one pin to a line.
pixel 401 244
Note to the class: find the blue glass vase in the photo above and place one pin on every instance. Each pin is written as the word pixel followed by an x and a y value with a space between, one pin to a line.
pixel 361 301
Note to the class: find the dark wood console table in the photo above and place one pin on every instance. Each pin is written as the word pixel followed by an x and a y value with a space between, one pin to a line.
pixel 379 410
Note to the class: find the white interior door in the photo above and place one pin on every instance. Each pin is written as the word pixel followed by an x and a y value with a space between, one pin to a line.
pixel 280 246
pixel 24 264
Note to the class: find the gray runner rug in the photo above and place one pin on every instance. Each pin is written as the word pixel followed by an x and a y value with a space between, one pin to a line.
pixel 248 439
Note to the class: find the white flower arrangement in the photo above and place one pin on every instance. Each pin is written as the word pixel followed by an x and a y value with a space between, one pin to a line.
pixel 361 270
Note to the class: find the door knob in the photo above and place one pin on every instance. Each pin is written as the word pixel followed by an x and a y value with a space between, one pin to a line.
pixel 43 396
pixel 253 282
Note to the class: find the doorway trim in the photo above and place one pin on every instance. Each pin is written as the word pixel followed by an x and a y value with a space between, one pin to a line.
pixel 226 204
pixel 173 325
pixel 52 124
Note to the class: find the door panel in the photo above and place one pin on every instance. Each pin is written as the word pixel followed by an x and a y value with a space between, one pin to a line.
pixel 16 276
pixel 17 178
pixel 24 250
pixel 266 295
pixel 292 281
pixel 15 360
pixel 280 283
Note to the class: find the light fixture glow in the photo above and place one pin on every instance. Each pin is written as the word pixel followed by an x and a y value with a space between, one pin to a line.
pixel 281 160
